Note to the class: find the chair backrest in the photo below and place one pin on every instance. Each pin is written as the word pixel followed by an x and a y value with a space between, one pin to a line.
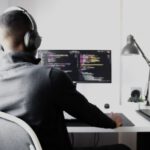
pixel 15 134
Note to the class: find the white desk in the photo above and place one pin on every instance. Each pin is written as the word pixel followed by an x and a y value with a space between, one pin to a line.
pixel 127 134
pixel 140 123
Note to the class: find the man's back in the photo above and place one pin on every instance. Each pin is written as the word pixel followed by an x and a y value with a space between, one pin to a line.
pixel 26 92
pixel 39 96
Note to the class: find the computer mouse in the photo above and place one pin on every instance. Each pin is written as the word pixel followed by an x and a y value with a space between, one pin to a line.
pixel 106 106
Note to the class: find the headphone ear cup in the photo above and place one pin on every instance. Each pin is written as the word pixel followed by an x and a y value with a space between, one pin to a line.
pixel 32 40
pixel 37 41
pixel 27 39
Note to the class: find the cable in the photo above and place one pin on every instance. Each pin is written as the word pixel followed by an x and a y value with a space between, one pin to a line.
pixel 72 139
pixel 96 139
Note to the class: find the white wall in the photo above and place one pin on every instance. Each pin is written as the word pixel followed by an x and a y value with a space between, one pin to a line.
pixel 136 21
pixel 3 5
pixel 81 24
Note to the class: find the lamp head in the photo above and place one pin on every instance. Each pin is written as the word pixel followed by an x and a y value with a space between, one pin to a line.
pixel 130 48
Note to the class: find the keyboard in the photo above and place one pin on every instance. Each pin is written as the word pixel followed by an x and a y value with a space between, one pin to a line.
pixel 75 122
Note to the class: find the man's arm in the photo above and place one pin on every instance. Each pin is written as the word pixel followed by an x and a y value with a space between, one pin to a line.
pixel 74 103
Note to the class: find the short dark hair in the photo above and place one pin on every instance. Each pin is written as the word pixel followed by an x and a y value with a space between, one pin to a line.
pixel 16 24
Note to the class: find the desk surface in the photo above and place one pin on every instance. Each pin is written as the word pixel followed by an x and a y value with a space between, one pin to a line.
pixel 140 123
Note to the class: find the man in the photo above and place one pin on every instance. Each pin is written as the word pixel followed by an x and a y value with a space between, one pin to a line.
pixel 36 94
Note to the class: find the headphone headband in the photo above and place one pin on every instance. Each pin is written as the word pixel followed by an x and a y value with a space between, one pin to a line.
pixel 32 40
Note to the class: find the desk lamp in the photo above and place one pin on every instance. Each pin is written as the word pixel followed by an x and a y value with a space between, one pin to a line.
pixel 133 48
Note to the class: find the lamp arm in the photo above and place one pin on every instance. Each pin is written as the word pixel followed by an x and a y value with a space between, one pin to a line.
pixel 148 62
pixel 147 92
pixel 146 59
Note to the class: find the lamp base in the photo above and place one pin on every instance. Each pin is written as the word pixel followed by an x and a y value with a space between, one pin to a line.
pixel 135 99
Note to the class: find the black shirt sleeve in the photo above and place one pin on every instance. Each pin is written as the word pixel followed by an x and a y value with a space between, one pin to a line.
pixel 70 100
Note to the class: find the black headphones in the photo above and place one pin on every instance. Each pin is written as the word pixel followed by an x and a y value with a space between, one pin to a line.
pixel 32 40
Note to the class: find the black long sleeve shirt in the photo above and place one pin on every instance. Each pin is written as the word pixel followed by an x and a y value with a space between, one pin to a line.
pixel 39 95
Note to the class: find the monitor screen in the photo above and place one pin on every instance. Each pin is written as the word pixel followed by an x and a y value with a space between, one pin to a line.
pixel 65 60
pixel 95 66
pixel 81 65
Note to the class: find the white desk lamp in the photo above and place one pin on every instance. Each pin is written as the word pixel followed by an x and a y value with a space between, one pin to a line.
pixel 133 48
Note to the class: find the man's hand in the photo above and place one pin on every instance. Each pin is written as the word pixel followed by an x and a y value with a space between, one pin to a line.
pixel 117 119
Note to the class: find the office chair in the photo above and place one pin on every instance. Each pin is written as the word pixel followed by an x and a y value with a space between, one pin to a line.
pixel 15 134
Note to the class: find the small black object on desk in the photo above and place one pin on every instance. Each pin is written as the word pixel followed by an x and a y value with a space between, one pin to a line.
pixel 106 106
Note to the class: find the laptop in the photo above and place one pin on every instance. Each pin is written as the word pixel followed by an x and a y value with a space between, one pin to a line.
pixel 145 112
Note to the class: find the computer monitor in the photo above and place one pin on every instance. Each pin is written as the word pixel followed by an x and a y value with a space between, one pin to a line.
pixel 95 66
pixel 87 66
pixel 65 60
